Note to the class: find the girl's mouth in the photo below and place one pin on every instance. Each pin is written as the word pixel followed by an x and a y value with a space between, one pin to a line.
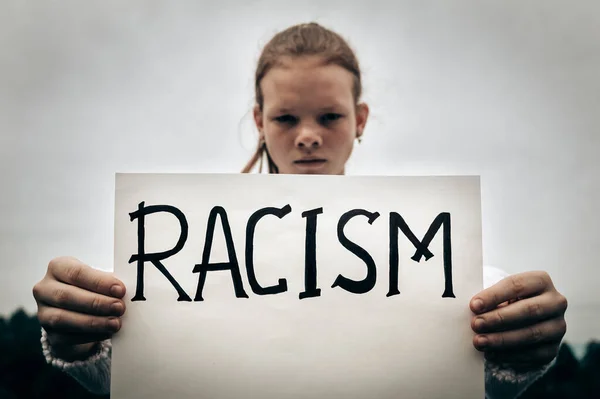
pixel 310 163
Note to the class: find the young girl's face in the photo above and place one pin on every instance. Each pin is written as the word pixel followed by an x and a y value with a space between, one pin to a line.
pixel 309 119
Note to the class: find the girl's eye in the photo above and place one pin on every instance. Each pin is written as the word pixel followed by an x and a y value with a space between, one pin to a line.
pixel 285 119
pixel 330 117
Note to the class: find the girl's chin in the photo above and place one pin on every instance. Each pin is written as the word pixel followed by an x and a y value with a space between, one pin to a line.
pixel 316 172
pixel 324 168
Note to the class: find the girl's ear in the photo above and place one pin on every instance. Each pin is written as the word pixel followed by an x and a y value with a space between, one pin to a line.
pixel 362 114
pixel 258 121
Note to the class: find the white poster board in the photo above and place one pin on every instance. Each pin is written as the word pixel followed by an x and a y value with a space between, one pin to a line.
pixel 304 306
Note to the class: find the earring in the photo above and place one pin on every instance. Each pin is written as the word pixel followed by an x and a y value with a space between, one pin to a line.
pixel 359 137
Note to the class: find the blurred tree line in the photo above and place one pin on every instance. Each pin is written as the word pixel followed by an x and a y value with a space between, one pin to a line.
pixel 24 372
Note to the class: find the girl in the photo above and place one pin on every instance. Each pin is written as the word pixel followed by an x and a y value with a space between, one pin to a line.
pixel 308 114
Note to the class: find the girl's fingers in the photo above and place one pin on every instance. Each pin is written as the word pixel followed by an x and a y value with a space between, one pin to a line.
pixel 517 286
pixel 520 313
pixel 73 272
pixel 57 320
pixel 60 295
pixel 548 331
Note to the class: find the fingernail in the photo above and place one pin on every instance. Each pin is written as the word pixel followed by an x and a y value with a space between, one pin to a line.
pixel 482 341
pixel 479 323
pixel 478 305
pixel 116 308
pixel 114 324
pixel 116 290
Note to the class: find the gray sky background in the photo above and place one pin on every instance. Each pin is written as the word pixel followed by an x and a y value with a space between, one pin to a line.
pixel 508 90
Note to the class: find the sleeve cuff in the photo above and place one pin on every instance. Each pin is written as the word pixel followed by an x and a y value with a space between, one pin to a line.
pixel 500 378
pixel 92 373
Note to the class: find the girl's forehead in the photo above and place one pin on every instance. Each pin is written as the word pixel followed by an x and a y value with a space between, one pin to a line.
pixel 323 85
pixel 307 70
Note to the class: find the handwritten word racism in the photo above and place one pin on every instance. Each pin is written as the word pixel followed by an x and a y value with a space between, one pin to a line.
pixel 396 224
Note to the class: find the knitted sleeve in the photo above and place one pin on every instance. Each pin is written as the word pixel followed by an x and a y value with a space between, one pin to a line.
pixel 93 373
pixel 503 382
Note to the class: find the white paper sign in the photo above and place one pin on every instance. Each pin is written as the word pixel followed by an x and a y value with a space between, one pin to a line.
pixel 304 287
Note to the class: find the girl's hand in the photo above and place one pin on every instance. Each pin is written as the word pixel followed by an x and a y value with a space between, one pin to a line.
pixel 520 321
pixel 78 306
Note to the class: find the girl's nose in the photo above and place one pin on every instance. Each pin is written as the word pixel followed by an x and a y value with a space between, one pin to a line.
pixel 309 138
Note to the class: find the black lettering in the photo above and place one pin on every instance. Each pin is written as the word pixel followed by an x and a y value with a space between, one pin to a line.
pixel 422 250
pixel 233 266
pixel 310 253
pixel 141 257
pixel 366 285
pixel 250 228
